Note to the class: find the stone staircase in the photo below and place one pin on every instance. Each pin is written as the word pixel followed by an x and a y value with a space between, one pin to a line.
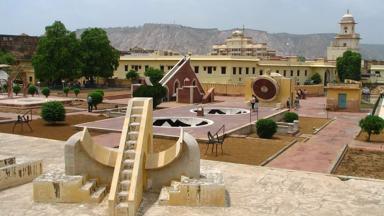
pixel 55 186
pixel 14 173
pixel 121 201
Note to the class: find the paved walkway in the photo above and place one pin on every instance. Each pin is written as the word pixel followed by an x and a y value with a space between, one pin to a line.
pixel 251 190
pixel 320 152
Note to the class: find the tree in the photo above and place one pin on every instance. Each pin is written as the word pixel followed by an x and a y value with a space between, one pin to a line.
pixel 157 92
pixel 16 89
pixel 372 125
pixel 32 90
pixel 132 75
pixel 290 117
pixel 99 58
pixel 46 92
pixel 349 66
pixel 57 55
pixel 7 58
pixel 66 91
pixel 266 128
pixel 155 75
pixel 53 111
pixel 76 91
pixel 97 98
pixel 316 78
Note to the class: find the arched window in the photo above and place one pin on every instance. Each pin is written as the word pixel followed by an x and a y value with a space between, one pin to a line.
pixel 345 29
pixel 194 82
pixel 186 81
pixel 176 85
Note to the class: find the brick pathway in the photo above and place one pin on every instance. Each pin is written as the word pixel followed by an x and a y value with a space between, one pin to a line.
pixel 320 152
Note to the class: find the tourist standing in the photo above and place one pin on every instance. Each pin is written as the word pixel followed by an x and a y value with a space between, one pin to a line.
pixel 253 102
pixel 90 103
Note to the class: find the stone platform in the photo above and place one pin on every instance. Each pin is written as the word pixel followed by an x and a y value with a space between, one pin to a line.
pixel 251 190
pixel 232 122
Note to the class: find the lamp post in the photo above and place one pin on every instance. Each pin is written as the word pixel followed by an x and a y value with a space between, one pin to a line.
pixel 63 81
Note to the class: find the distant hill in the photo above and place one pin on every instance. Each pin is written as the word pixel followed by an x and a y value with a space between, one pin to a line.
pixel 199 41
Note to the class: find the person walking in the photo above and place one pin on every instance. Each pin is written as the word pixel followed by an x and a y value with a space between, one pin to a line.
pixel 90 103
pixel 253 102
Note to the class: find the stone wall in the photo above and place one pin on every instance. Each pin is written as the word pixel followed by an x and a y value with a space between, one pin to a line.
pixel 312 90
pixel 225 89
pixel 19 173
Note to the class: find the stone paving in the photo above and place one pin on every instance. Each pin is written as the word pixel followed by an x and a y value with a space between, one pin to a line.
pixel 252 190
pixel 320 152
pixel 231 121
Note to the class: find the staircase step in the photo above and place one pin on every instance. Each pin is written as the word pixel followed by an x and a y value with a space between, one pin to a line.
pixel 122 209
pixel 89 185
pixel 125 184
pixel 137 107
pixel 6 160
pixel 128 163
pixel 99 194
pixel 123 194
pixel 134 124
pixel 136 115
pixel 129 154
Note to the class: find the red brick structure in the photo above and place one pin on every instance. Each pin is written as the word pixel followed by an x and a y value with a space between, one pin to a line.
pixel 182 83
pixel 21 46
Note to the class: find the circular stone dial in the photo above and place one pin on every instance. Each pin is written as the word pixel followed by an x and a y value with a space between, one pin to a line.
pixel 265 89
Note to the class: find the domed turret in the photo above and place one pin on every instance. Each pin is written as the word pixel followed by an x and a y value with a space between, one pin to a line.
pixel 348 18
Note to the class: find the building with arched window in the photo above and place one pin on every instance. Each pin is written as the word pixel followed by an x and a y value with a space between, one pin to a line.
pixel 347 39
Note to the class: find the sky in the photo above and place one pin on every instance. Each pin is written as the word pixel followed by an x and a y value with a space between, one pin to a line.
pixel 274 16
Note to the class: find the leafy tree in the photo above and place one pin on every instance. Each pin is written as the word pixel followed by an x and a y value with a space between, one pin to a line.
pixel 266 128
pixel 155 75
pixel 290 117
pixel 132 75
pixel 316 78
pixel 32 90
pixel 99 58
pixel 349 66
pixel 76 91
pixel 46 92
pixel 53 111
pixel 7 58
pixel 57 55
pixel 157 92
pixel 66 91
pixel 97 98
pixel 100 91
pixel 372 125
pixel 16 89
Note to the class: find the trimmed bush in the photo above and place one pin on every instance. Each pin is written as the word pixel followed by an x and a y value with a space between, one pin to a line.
pixel 132 75
pixel 46 92
pixel 100 91
pixel 157 92
pixel 53 111
pixel 266 128
pixel 97 98
pixel 290 117
pixel 32 90
pixel 66 91
pixel 316 78
pixel 76 91
pixel 372 125
pixel 16 89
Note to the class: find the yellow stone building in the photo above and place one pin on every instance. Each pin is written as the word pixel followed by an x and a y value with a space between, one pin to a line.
pixel 226 73
pixel 240 45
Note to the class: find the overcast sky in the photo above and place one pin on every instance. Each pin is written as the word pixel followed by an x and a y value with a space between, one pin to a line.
pixel 291 16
